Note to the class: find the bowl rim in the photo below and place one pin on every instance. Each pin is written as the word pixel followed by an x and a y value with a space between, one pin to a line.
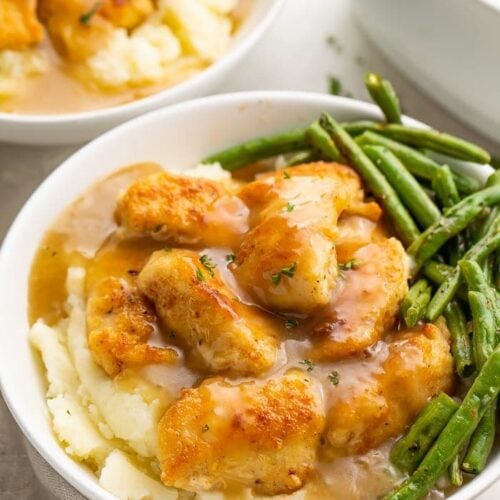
pixel 147 103
pixel 42 194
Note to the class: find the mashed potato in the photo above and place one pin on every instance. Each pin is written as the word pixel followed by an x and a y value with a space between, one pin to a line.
pixel 181 36
pixel 16 66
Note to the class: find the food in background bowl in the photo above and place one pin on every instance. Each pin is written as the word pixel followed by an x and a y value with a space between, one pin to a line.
pixel 242 334
pixel 59 56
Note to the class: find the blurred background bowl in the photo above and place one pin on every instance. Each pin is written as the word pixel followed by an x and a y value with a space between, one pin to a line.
pixel 74 128
pixel 448 48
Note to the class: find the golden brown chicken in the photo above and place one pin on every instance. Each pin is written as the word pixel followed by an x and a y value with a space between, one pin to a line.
pixel 418 366
pixel 193 301
pixel 288 261
pixel 365 302
pixel 254 435
pixel 76 27
pixel 183 210
pixel 119 322
pixel 19 26
pixel 126 13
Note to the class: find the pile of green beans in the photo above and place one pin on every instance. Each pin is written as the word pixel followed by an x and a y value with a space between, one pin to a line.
pixel 450 226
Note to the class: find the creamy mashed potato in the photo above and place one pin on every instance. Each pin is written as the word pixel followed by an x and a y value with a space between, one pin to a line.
pixel 16 67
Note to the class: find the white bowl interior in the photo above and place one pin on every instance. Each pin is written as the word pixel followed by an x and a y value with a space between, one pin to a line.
pixel 177 137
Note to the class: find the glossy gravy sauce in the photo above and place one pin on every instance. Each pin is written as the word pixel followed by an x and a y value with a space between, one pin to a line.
pixel 84 235
pixel 59 89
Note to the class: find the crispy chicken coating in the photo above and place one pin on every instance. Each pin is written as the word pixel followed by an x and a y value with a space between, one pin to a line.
pixel 76 27
pixel 288 261
pixel 19 26
pixel 260 436
pixel 183 210
pixel 418 366
pixel 126 13
pixel 365 303
pixel 119 322
pixel 207 318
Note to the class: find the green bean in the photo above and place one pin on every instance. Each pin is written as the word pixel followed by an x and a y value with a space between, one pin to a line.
pixel 453 221
pixel 409 451
pixel 481 442
pixel 435 141
pixel 455 473
pixel 383 94
pixel 494 212
pixel 320 140
pixel 445 187
pixel 416 162
pixel 405 228
pixel 437 272
pixel 356 128
pixel 415 302
pixel 409 190
pixel 456 433
pixel 447 290
pixel 477 281
pixel 461 347
pixel 254 150
pixel 483 327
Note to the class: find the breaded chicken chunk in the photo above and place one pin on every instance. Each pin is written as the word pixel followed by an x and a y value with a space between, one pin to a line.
pixel 288 261
pixel 260 436
pixel 193 301
pixel 417 367
pixel 183 210
pixel 119 323
pixel 365 302
pixel 76 27
pixel 126 13
pixel 19 26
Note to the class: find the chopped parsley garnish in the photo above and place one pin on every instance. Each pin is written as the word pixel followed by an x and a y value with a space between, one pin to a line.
pixel 286 175
pixel 307 363
pixel 199 275
pixel 286 271
pixel 87 16
pixel 291 323
pixel 334 85
pixel 334 377
pixel 289 207
pixel 208 264
pixel 289 270
pixel 68 412
pixel 230 257
pixel 334 43
pixel 350 264
pixel 167 249
pixel 205 428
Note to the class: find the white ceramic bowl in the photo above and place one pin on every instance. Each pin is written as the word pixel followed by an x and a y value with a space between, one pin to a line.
pixel 449 48
pixel 177 137
pixel 74 128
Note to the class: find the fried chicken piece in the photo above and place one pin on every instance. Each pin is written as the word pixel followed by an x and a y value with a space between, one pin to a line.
pixel 365 303
pixel 418 366
pixel 76 27
pixel 126 13
pixel 183 210
pixel 119 322
pixel 19 26
pixel 208 319
pixel 288 261
pixel 263 436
